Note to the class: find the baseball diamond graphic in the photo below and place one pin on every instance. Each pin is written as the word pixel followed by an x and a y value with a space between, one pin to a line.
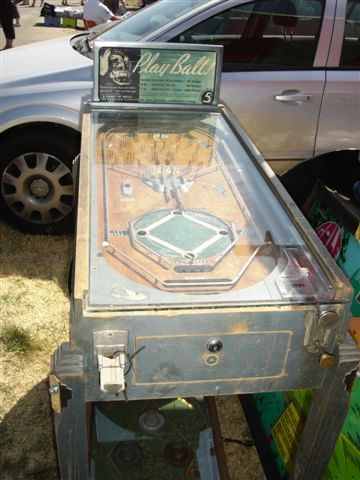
pixel 194 241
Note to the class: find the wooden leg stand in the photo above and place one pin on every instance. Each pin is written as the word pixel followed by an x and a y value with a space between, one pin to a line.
pixel 67 395
pixel 326 417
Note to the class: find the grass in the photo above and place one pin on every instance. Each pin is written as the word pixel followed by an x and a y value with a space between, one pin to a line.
pixel 34 316
pixel 16 339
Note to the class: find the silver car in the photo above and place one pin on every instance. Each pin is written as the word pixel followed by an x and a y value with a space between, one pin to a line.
pixel 291 76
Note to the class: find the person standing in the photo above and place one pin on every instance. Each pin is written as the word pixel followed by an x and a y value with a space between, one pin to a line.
pixel 95 12
pixel 116 6
pixel 16 14
pixel 6 20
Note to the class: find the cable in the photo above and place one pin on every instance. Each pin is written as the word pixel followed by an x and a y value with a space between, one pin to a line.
pixel 129 358
pixel 244 443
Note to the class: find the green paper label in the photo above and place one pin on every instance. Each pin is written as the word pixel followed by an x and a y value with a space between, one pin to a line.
pixel 159 76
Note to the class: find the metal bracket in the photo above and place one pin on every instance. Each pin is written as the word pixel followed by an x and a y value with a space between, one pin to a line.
pixel 59 394
pixel 111 347
pixel 321 331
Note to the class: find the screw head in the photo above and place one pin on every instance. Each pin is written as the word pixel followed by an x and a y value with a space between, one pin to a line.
pixel 53 389
pixel 329 318
pixel 327 360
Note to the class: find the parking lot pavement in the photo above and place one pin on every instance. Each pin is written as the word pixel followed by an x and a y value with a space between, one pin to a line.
pixel 32 27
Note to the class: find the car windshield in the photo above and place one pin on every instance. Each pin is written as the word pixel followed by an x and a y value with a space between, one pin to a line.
pixel 149 20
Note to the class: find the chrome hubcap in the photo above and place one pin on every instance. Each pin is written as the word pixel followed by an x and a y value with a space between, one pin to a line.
pixel 38 188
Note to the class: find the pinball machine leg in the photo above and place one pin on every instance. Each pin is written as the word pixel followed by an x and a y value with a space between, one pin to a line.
pixel 326 417
pixel 67 396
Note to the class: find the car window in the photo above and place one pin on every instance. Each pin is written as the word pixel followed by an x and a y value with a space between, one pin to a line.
pixel 264 34
pixel 150 19
pixel 350 55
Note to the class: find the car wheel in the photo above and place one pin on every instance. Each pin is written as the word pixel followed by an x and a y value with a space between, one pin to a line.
pixel 300 182
pixel 36 189
pixel 337 170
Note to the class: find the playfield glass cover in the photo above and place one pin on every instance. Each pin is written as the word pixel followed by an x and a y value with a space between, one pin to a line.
pixel 180 216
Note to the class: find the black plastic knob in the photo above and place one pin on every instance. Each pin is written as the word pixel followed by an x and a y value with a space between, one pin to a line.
pixel 214 345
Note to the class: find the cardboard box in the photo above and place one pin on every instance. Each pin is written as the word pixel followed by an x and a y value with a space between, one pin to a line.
pixel 68 22
pixel 337 222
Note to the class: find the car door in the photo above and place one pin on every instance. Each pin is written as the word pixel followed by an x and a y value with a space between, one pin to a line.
pixel 339 126
pixel 273 78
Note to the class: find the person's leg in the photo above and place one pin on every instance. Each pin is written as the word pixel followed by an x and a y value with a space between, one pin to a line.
pixel 16 16
pixel 8 28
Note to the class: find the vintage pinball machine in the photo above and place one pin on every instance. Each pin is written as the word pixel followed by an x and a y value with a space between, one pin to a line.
pixel 195 274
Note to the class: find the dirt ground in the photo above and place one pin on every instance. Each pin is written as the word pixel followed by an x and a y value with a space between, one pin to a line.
pixel 33 320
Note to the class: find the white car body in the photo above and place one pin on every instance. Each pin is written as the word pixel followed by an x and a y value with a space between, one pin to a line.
pixel 292 115
pixel 47 89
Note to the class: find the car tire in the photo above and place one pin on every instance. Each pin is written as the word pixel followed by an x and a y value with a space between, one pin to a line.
pixel 36 184
pixel 300 182
pixel 338 170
